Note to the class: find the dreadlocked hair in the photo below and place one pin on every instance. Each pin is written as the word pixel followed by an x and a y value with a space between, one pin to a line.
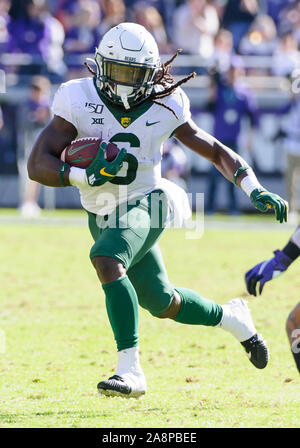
pixel 164 79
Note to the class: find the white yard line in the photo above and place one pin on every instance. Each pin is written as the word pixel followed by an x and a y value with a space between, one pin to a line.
pixel 42 221
pixel 230 224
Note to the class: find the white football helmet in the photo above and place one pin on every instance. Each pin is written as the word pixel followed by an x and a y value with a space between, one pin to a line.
pixel 127 62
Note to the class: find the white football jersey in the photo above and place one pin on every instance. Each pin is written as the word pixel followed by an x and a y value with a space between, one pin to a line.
pixel 141 131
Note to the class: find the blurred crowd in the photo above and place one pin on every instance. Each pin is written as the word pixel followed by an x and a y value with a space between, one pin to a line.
pixel 51 38
pixel 52 31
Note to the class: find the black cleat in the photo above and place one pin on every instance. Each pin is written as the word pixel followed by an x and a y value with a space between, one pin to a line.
pixel 130 386
pixel 115 385
pixel 257 351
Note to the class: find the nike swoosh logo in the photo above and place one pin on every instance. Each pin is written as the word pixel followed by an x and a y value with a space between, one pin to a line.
pixel 104 173
pixel 74 150
pixel 151 124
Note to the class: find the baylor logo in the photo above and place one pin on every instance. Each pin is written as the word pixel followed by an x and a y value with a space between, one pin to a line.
pixel 125 121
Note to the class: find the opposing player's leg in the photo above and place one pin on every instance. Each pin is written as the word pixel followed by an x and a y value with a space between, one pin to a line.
pixel 121 239
pixel 161 299
pixel 293 332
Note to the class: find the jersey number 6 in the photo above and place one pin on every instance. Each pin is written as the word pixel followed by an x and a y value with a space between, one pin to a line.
pixel 134 142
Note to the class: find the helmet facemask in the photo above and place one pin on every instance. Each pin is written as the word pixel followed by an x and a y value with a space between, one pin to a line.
pixel 125 83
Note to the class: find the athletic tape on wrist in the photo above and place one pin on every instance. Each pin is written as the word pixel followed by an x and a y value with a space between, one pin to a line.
pixel 296 237
pixel 77 176
pixel 249 184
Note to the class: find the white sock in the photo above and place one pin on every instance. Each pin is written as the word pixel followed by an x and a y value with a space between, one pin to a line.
pixel 128 361
pixel 237 320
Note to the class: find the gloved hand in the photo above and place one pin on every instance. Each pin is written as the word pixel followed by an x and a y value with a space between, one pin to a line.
pixel 263 200
pixel 266 271
pixel 100 170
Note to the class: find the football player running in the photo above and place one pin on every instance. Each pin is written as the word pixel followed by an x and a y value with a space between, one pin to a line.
pixel 268 270
pixel 132 100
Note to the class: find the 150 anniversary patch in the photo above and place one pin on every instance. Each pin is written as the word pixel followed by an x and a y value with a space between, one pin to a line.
pixel 94 108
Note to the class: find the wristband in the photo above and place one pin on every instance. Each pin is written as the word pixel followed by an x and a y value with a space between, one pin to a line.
pixel 77 176
pixel 61 174
pixel 291 250
pixel 240 170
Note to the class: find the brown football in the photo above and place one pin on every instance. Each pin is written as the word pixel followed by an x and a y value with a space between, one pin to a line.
pixel 83 151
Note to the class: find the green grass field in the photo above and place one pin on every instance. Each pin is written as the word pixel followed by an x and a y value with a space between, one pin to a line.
pixel 59 343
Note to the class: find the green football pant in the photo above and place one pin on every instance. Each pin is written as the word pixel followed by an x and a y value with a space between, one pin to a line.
pixel 146 283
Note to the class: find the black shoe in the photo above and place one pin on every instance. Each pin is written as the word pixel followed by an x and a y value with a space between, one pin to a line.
pixel 132 386
pixel 257 351
pixel 115 385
